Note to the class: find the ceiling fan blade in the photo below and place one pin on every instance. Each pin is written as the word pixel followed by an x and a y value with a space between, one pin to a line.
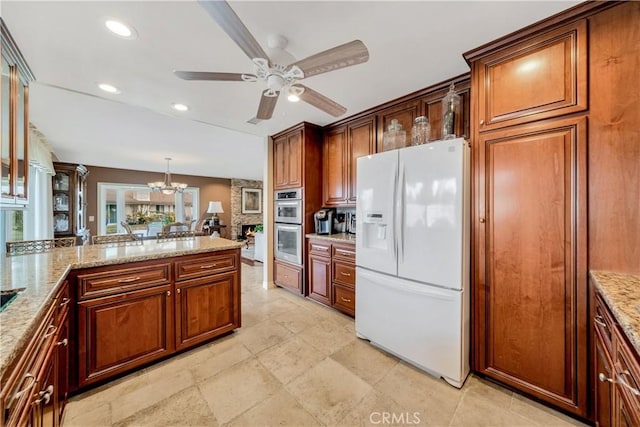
pixel 321 102
pixel 345 55
pixel 222 13
pixel 267 105
pixel 203 75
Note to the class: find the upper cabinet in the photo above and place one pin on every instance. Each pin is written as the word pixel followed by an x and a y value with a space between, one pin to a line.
pixel 14 125
pixel 342 147
pixel 287 158
pixel 405 113
pixel 543 77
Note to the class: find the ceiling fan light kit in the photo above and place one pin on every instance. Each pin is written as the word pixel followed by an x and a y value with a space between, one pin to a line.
pixel 278 78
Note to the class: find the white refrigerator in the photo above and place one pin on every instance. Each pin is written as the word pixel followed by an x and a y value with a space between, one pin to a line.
pixel 412 255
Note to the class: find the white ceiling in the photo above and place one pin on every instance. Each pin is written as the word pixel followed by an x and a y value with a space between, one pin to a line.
pixel 411 44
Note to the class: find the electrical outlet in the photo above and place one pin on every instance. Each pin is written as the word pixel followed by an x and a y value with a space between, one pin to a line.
pixel 91 218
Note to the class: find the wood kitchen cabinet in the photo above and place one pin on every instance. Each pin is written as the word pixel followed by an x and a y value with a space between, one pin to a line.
pixel 530 265
pixel 69 201
pixel 320 271
pixel 332 275
pixel 616 371
pixel 33 390
pixel 541 77
pixel 14 123
pixel 405 113
pixel 207 304
pixel 287 159
pixel 131 314
pixel 342 147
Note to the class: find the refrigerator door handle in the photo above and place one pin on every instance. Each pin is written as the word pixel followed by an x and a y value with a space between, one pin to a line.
pixel 395 228
pixel 401 209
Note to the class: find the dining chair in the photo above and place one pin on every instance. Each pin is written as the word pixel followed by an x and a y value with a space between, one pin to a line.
pixel 116 239
pixel 175 227
pixel 24 247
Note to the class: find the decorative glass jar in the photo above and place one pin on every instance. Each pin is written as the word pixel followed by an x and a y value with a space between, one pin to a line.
pixel 394 137
pixel 421 131
pixel 450 113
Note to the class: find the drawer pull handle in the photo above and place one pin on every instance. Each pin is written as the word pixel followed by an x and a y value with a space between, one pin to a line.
pixel 45 395
pixel 24 390
pixel 622 381
pixel 64 302
pixel 603 378
pixel 345 299
pixel 204 267
pixel 345 274
pixel 64 342
pixel 129 280
pixel 599 321
pixel 51 329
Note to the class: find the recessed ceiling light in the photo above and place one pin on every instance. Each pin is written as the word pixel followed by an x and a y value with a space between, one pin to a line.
pixel 108 88
pixel 121 29
pixel 180 107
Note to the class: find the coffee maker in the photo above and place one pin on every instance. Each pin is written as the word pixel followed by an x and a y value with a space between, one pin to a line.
pixel 324 221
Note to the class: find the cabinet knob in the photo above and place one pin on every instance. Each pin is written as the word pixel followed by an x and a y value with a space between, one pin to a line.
pixel 64 342
pixel 599 320
pixel 178 290
pixel 168 293
pixel 481 122
pixel 482 220
pixel 603 378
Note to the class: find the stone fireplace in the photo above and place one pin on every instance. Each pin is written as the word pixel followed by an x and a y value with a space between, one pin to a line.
pixel 242 231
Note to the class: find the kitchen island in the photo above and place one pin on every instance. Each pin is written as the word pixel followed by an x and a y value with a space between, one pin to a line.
pixel 119 307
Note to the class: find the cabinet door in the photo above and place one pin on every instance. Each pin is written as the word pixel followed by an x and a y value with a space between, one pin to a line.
pixel 205 308
pixel 432 108
pixel 542 77
pixel 294 159
pixel 404 113
pixel 334 167
pixel 361 141
pixel 280 162
pixel 530 278
pixel 604 383
pixel 120 332
pixel 626 415
pixel 320 279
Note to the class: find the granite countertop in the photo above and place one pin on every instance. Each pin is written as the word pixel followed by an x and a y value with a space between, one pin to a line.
pixel 621 292
pixel 41 274
pixel 336 238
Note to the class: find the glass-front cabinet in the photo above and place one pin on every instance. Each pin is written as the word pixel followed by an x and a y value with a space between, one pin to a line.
pixel 69 204
pixel 14 122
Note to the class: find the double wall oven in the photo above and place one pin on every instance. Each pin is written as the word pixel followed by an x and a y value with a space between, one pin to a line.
pixel 289 214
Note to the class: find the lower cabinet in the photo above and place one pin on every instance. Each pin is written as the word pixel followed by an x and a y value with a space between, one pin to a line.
pixel 206 308
pixel 34 389
pixel 616 372
pixel 144 311
pixel 119 332
pixel 332 274
pixel 288 276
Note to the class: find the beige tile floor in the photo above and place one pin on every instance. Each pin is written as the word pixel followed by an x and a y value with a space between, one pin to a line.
pixel 296 363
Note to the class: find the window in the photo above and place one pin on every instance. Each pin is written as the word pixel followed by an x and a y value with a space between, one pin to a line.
pixel 144 210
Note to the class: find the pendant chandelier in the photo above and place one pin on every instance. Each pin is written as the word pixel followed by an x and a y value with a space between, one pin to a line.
pixel 167 186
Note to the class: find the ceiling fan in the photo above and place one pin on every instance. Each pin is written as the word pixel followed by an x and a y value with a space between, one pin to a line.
pixel 279 77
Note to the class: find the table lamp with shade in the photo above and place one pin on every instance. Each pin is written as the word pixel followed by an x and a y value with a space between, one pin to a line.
pixel 215 208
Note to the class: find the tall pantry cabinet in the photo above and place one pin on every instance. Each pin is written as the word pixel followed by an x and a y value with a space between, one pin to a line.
pixel 529 221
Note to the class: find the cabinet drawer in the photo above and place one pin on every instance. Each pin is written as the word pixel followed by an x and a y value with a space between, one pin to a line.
pixel 288 276
pixel 118 280
pixel 603 322
pixel 345 252
pixel 321 248
pixel 344 299
pixel 344 273
pixel 627 371
pixel 191 268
